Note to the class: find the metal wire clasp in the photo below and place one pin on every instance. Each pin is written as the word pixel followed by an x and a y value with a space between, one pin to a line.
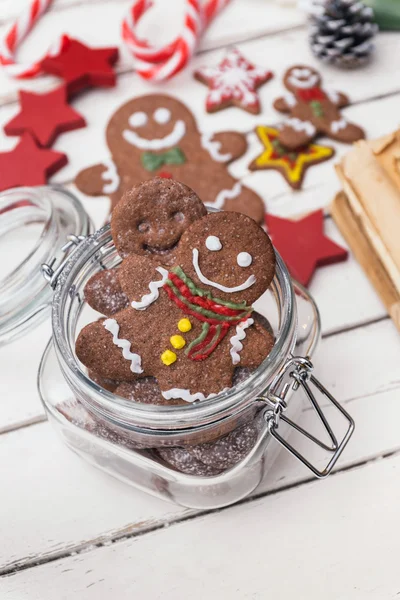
pixel 298 374
pixel 49 273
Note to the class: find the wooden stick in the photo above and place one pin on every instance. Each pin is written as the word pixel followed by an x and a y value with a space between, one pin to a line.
pixel 353 230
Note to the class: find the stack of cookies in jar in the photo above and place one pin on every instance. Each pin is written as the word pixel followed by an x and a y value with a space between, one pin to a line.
pixel 177 324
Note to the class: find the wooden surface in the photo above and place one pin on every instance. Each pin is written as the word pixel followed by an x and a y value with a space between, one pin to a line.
pixel 69 531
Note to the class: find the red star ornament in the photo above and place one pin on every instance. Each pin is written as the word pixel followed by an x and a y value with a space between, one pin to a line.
pixel 27 164
pixel 233 83
pixel 81 66
pixel 44 116
pixel 303 244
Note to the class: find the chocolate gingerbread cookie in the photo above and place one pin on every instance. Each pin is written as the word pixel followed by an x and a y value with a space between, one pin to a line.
pixel 156 135
pixel 313 111
pixel 197 310
pixel 149 220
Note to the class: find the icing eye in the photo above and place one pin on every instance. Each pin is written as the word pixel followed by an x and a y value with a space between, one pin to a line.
pixel 138 119
pixel 178 217
pixel 213 243
pixel 244 259
pixel 162 115
pixel 143 226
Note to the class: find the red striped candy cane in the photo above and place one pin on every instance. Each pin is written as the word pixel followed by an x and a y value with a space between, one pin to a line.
pixel 16 34
pixel 162 63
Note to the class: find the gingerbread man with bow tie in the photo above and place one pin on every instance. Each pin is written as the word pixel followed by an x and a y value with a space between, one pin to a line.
pixel 157 136
pixel 312 111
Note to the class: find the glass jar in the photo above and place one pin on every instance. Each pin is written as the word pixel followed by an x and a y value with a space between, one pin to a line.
pixel 128 439
pixel 34 225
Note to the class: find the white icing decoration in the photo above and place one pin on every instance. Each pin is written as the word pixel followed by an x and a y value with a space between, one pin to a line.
pixel 213 243
pixel 235 78
pixel 136 362
pixel 187 396
pixel 299 125
pixel 244 259
pixel 333 96
pixel 172 139
pixel 213 147
pixel 236 340
pixel 162 115
pixel 110 175
pixel 290 99
pixel 336 126
pixel 154 287
pixel 138 119
pixel 229 290
pixel 226 195
pixel 297 78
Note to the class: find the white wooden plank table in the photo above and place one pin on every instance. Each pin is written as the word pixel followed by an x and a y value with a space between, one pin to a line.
pixel 68 531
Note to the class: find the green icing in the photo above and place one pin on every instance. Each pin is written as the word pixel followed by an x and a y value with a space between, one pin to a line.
pixel 200 338
pixel 203 311
pixel 278 147
pixel 196 291
pixel 152 162
pixel 317 109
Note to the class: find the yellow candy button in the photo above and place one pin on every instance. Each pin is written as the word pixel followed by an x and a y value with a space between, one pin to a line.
pixel 168 357
pixel 177 341
pixel 184 325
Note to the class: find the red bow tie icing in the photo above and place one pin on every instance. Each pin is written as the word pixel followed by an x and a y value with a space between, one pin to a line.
pixel 311 94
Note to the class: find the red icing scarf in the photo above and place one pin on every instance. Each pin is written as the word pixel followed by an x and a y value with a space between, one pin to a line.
pixel 217 316
pixel 310 95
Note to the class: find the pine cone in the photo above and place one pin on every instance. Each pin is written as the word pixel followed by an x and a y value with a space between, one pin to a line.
pixel 342 31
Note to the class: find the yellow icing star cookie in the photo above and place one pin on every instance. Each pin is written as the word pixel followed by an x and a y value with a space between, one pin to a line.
pixel 291 163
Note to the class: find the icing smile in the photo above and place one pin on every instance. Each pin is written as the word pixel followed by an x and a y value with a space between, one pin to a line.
pixel 169 140
pixel 303 78
pixel 238 288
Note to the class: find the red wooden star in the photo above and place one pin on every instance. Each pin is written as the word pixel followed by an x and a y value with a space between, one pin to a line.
pixel 44 116
pixel 303 244
pixel 81 66
pixel 27 164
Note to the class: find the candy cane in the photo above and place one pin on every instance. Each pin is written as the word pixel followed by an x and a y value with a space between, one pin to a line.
pixel 157 64
pixel 152 63
pixel 15 35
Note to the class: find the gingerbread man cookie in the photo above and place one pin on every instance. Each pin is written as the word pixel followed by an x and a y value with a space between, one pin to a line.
pixel 313 111
pixel 149 220
pixel 191 325
pixel 157 135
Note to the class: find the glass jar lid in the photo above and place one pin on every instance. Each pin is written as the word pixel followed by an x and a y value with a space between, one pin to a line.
pixel 34 225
